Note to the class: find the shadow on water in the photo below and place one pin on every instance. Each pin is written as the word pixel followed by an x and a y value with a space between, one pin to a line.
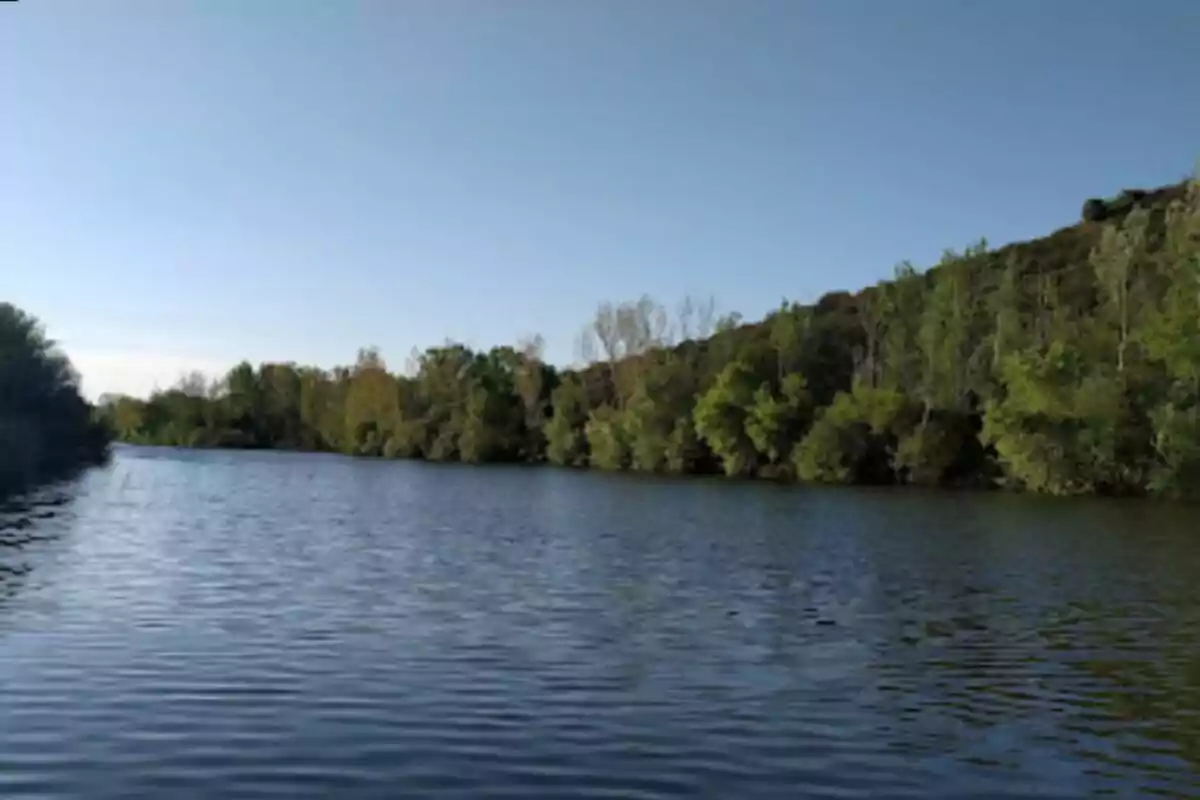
pixel 27 523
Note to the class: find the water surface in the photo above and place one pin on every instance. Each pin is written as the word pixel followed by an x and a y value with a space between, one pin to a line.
pixel 189 624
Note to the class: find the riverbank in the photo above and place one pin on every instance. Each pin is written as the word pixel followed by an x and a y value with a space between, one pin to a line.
pixel 1063 365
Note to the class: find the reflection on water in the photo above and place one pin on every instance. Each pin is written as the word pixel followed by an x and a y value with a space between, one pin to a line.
pixel 26 522
pixel 233 624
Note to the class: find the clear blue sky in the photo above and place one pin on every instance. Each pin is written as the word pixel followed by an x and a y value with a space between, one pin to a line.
pixel 184 184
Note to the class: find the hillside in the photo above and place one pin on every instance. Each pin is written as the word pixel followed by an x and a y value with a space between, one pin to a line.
pixel 1066 364
pixel 1062 254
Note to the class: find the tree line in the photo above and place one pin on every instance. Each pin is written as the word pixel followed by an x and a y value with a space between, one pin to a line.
pixel 1065 365
pixel 47 429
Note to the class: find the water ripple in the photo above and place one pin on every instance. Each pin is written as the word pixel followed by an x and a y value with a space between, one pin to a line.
pixel 191 624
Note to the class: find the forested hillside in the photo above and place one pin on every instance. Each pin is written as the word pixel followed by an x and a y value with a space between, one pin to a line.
pixel 1068 364
pixel 47 430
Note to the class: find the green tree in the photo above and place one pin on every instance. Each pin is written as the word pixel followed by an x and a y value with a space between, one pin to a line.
pixel 608 441
pixel 372 405
pixel 721 415
pixel 776 423
pixel 1004 307
pixel 788 330
pixel 534 381
pixel 903 298
pixel 942 449
pixel 665 392
pixel 1116 263
pixel 244 400
pixel 444 383
pixel 685 451
pixel 1058 428
pixel 1171 336
pixel 945 336
pixel 493 427
pixel 1066 364
pixel 853 440
pixel 47 429
pixel 566 444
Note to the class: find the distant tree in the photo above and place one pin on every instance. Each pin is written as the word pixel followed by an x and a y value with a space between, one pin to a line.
pixel 1115 261
pixel 566 444
pixel 1068 364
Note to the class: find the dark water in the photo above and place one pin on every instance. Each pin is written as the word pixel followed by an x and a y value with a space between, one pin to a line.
pixel 272 625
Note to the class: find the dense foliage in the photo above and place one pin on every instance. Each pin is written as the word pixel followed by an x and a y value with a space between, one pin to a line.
pixel 47 429
pixel 1070 364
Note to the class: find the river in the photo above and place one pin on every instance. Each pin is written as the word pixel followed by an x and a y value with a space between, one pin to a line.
pixel 221 624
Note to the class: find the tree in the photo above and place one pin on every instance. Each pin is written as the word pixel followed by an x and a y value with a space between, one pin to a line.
pixel 944 335
pixel 126 415
pixel 788 329
pixel 1058 428
pixel 873 308
pixel 685 451
pixel 664 394
pixel 903 299
pixel 1004 308
pixel 565 441
pixel 444 384
pixel 47 429
pixel 853 440
pixel 775 423
pixel 1171 336
pixel 695 318
pixel 372 405
pixel 1115 261
pixel 1065 364
pixel 721 415
pixel 493 423
pixel 281 405
pixel 533 381
pixel 623 334
pixel 244 399
pixel 315 403
pixel 607 439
